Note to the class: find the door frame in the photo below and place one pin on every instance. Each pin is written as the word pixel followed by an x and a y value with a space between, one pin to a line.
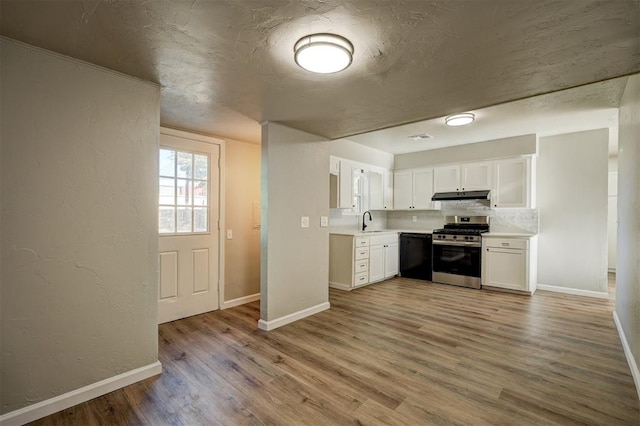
pixel 221 197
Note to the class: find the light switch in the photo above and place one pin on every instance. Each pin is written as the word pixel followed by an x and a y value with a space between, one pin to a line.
pixel 324 221
pixel 414 219
pixel 304 222
pixel 229 234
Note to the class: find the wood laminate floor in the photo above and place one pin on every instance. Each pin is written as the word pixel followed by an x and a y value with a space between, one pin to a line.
pixel 402 352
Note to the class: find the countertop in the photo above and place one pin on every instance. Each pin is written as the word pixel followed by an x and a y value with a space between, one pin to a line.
pixel 508 235
pixel 358 233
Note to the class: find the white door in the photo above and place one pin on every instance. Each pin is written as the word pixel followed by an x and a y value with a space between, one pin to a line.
pixel 446 178
pixel 189 236
pixel 505 268
pixel 476 176
pixel 511 183
pixel 376 263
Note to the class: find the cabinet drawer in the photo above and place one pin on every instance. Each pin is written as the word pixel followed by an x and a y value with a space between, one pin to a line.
pixel 507 243
pixel 361 278
pixel 362 242
pixel 362 253
pixel 383 239
pixel 362 266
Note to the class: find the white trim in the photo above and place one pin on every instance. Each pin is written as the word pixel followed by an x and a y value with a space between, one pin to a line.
pixel 633 365
pixel 239 301
pixel 574 291
pixel 61 402
pixel 613 270
pixel 279 322
pixel 339 286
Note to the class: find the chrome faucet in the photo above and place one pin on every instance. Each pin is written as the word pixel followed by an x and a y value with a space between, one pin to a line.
pixel 364 225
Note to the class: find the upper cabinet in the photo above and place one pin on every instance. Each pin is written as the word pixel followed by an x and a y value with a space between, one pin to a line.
pixel 476 176
pixel 446 178
pixel 413 189
pixel 514 183
pixel 358 187
pixel 463 177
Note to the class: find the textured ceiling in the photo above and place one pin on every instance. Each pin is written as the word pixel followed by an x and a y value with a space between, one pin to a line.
pixel 225 66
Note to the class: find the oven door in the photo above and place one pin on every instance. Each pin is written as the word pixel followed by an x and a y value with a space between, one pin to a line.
pixel 457 263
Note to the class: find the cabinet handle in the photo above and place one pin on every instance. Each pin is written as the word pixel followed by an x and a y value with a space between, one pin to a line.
pixel 487 249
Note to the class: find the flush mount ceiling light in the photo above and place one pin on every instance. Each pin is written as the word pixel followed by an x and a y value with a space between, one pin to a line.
pixel 323 53
pixel 461 119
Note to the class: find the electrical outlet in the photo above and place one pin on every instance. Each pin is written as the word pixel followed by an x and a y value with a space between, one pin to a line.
pixel 229 234
pixel 304 222
pixel 324 221
pixel 414 219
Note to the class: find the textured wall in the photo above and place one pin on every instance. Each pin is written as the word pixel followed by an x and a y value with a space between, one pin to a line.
pixel 242 190
pixel 295 183
pixel 572 202
pixel 481 151
pixel 628 273
pixel 79 227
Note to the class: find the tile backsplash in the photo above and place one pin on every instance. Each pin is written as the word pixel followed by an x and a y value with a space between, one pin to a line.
pixel 502 220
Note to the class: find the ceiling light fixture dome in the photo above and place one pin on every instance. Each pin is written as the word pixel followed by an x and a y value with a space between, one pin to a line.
pixel 323 53
pixel 461 119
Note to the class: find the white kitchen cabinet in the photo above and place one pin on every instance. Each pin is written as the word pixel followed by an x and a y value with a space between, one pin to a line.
pixel 446 178
pixel 413 189
pixel 509 263
pixel 391 260
pixel 376 191
pixel 387 192
pixel 476 176
pixel 348 261
pixel 513 183
pixel 383 257
pixel 403 190
pixel 334 165
pixel 463 177
pixel 376 263
pixel 345 185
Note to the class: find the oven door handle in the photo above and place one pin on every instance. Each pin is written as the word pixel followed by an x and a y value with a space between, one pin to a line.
pixel 457 243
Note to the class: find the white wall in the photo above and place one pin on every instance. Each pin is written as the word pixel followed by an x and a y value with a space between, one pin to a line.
pixel 612 218
pixel 295 261
pixel 242 190
pixel 349 150
pixel 79 224
pixel 572 204
pixel 497 148
pixel 628 271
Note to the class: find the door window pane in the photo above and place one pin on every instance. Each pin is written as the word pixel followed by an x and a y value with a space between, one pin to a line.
pixel 201 166
pixel 183 193
pixel 167 162
pixel 167 220
pixel 185 164
pixel 200 218
pixel 167 191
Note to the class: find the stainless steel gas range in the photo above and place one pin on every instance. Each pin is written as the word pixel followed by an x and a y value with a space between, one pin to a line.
pixel 457 253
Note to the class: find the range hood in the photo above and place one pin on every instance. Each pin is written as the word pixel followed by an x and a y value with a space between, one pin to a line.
pixel 461 195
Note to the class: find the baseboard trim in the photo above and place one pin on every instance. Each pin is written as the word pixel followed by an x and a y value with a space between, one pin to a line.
pixel 61 402
pixel 287 319
pixel 240 301
pixel 339 286
pixel 633 365
pixel 574 291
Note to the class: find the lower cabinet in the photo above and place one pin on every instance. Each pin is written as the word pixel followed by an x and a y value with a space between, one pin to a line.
pixel 355 261
pixel 384 252
pixel 509 263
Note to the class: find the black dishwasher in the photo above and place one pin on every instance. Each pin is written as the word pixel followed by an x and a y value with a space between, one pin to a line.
pixel 415 256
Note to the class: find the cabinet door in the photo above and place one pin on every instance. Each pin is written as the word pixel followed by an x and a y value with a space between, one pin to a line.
pixel 403 190
pixel 376 263
pixel 387 191
pixel 391 260
pixel 422 188
pixel 446 178
pixel 476 176
pixel 376 190
pixel 334 165
pixel 512 187
pixel 505 268
pixel 345 186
